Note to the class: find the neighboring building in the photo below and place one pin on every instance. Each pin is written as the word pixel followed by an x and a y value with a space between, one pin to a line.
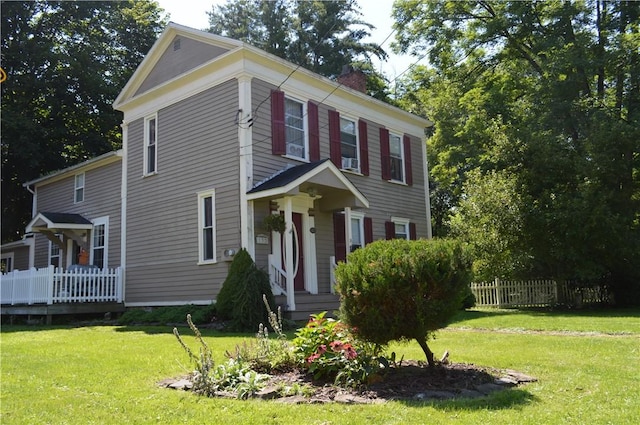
pixel 217 135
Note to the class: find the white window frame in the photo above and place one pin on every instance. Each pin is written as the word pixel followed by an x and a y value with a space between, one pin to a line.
pixel 399 221
pixel 201 227
pixel 147 145
pixel 359 217
pixel 355 169
pixel 50 256
pixel 8 259
pixel 289 151
pixel 402 158
pixel 78 187
pixel 101 221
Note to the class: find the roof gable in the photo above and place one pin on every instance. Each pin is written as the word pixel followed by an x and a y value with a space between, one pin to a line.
pixel 178 50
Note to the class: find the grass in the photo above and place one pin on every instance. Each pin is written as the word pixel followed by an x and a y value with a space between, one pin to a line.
pixel 108 375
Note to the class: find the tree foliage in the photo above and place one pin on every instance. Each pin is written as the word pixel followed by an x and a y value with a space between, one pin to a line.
pixel 66 62
pixel 322 36
pixel 399 289
pixel 547 94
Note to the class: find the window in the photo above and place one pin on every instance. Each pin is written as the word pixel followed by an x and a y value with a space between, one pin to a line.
pixel 294 128
pixel 400 228
pixel 207 225
pixel 99 241
pixel 55 257
pixel 150 144
pixel 6 262
pixel 397 157
pixel 349 145
pixel 357 231
pixel 79 188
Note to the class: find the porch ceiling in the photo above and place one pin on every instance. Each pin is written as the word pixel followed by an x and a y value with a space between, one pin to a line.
pixel 320 179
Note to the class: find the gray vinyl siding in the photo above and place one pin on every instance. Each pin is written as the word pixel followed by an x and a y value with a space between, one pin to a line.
pixel 102 188
pixel 172 63
pixel 386 199
pixel 20 257
pixel 197 150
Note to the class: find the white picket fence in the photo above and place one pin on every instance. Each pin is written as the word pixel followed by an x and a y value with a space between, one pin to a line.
pixel 535 293
pixel 54 285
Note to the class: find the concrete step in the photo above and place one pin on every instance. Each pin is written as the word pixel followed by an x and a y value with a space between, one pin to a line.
pixel 308 304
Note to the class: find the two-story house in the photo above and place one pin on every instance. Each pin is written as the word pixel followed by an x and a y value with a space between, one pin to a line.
pixel 217 135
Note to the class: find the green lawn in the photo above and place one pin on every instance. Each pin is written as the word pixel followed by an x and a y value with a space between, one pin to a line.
pixel 108 375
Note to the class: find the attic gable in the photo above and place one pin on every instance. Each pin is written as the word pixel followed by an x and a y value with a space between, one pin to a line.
pixel 181 55
pixel 177 51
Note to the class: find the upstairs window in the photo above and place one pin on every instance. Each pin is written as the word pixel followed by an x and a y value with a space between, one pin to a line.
pixel 294 128
pixel 349 145
pixel 79 188
pixel 150 144
pixel 396 154
pixel 207 224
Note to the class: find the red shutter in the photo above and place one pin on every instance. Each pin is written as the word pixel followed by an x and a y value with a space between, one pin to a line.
pixel 278 142
pixel 314 132
pixel 334 138
pixel 389 230
pixel 413 235
pixel 407 160
pixel 339 237
pixel 385 155
pixel 364 147
pixel 368 230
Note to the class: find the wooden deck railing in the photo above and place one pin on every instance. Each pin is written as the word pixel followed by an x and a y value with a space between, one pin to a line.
pixel 54 285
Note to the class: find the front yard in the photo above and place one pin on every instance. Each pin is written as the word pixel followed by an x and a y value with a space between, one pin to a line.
pixel 586 363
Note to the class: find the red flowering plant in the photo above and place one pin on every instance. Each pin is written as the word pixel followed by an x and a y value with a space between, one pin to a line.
pixel 327 348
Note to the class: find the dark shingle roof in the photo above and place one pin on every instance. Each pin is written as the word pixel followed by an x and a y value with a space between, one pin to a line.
pixel 65 218
pixel 287 176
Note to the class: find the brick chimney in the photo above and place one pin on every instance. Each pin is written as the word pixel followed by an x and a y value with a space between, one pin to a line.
pixel 353 78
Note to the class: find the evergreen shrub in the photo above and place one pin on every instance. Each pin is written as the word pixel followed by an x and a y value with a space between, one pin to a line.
pixel 241 297
pixel 399 289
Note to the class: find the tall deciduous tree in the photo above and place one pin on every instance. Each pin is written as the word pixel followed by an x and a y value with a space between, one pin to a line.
pixel 66 62
pixel 548 91
pixel 321 36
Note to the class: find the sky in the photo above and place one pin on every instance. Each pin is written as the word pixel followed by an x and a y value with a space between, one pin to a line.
pixel 193 13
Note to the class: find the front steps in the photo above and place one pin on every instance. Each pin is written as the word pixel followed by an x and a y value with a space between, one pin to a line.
pixel 308 304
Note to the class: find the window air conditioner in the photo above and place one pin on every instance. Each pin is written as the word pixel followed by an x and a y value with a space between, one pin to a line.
pixel 349 163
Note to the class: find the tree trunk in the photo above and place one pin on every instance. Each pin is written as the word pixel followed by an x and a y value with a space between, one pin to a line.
pixel 427 351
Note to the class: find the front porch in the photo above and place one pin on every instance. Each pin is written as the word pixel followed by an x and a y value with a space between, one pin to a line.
pixel 51 290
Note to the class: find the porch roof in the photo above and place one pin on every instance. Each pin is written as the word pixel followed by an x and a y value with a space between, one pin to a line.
pixel 52 221
pixel 320 179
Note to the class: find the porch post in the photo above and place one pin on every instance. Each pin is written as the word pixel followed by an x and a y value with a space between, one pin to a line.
pixel 288 242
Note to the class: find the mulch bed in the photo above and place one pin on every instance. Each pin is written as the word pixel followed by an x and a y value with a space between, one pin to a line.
pixel 410 380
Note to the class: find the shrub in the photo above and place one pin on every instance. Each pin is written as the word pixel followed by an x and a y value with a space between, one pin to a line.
pixel 327 348
pixel 240 298
pixel 400 289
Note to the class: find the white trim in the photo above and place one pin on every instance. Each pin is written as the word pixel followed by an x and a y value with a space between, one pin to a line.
pixel 77 188
pixel 245 141
pixel 360 217
pixel 425 170
pixel 39 220
pixel 167 303
pixel 201 196
pixel 123 207
pixel 100 221
pixel 146 144
pixel 90 164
